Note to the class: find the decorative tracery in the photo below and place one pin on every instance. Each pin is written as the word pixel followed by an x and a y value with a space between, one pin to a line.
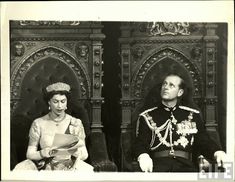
pixel 138 79
pixel 21 70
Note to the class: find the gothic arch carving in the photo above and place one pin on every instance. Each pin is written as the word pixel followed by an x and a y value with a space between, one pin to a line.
pixel 157 56
pixel 45 52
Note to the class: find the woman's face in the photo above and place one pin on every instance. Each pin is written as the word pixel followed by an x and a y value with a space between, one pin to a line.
pixel 58 104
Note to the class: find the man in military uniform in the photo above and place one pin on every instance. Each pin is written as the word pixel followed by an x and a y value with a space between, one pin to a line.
pixel 167 134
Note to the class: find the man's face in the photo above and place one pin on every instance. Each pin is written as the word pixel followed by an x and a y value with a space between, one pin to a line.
pixel 171 88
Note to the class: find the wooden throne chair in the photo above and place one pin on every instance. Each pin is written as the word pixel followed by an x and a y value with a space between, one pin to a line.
pixel 43 52
pixel 151 49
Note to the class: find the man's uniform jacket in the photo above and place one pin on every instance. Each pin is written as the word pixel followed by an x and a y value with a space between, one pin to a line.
pixel 172 129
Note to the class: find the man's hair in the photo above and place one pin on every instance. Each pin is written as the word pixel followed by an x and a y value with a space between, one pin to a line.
pixel 187 96
pixel 182 82
pixel 152 99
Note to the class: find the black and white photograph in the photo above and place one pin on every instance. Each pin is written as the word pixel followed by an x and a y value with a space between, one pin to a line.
pixel 90 96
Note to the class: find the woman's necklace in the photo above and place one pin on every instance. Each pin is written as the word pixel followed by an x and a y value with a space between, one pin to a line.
pixel 58 120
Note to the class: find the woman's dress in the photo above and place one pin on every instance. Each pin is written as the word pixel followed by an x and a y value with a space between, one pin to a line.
pixel 41 135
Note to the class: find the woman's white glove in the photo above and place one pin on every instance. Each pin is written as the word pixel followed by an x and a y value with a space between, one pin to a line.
pixel 46 152
pixel 81 153
pixel 220 157
pixel 145 162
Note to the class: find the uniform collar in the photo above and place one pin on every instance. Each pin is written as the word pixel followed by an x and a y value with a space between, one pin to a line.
pixel 170 109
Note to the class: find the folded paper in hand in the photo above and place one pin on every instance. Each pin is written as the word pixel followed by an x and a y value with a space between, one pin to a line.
pixel 64 144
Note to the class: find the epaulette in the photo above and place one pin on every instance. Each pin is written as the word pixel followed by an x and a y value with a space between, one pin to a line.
pixel 146 118
pixel 189 109
pixel 148 110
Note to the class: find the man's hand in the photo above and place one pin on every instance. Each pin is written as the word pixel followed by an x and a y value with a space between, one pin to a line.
pixel 220 157
pixel 145 162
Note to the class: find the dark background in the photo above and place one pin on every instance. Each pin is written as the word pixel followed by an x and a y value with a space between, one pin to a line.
pixel 111 110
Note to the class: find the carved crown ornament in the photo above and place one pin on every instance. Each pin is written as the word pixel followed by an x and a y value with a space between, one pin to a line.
pixel 20 71
pixel 165 28
pixel 138 78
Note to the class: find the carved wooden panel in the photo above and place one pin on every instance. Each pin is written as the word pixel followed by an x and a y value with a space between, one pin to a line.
pixel 75 44
pixel 160 56
pixel 24 65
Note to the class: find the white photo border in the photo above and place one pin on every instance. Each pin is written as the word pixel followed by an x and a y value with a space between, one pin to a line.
pixel 190 11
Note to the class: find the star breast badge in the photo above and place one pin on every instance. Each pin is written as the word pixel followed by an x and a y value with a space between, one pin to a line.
pixel 186 127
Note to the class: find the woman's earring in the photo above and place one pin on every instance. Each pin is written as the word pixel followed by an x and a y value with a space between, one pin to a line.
pixel 49 108
pixel 65 107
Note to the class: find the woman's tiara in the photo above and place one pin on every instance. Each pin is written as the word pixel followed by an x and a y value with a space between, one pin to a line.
pixel 59 86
